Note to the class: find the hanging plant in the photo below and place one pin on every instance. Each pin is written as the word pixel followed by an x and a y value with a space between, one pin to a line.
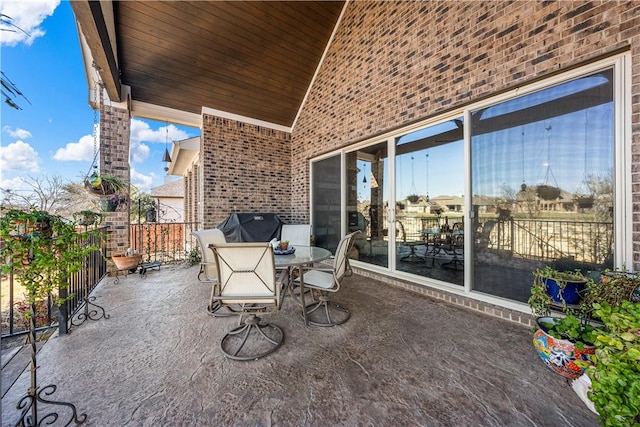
pixel 88 218
pixel 413 198
pixel 583 200
pixel 548 192
pixel 111 202
pixel 104 185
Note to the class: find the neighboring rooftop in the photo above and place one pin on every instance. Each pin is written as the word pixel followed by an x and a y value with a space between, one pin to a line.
pixel 173 189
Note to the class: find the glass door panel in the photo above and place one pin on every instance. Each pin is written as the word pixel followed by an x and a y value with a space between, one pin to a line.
pixel 542 180
pixel 367 201
pixel 429 206
pixel 325 203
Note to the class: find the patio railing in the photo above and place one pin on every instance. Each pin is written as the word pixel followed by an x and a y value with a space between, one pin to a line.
pixel 14 321
pixel 165 242
pixel 588 242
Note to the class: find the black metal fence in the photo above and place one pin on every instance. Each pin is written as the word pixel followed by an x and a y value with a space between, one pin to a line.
pixel 588 242
pixel 165 242
pixel 14 318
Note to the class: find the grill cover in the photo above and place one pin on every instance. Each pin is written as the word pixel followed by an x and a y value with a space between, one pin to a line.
pixel 251 227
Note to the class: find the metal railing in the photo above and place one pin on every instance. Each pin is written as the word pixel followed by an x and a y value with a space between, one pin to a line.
pixel 588 242
pixel 14 321
pixel 165 242
pixel 547 240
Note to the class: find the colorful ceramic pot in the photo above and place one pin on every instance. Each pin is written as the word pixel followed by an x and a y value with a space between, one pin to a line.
pixel 560 355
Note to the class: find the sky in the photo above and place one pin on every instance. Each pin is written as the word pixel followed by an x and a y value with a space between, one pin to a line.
pixel 53 134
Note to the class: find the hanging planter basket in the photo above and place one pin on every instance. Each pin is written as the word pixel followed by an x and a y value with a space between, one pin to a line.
pixel 109 205
pixel 413 198
pixel 548 192
pixel 88 218
pixel 104 185
pixel 584 200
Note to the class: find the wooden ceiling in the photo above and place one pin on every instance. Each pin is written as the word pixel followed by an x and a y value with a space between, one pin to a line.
pixel 251 58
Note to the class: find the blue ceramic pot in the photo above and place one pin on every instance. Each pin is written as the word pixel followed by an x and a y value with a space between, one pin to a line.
pixel 570 294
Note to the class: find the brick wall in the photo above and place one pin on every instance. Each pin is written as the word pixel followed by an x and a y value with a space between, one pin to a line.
pixel 245 168
pixel 114 160
pixel 394 63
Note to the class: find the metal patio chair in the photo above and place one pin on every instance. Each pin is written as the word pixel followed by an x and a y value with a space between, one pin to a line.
pixel 296 234
pixel 247 277
pixel 208 272
pixel 324 312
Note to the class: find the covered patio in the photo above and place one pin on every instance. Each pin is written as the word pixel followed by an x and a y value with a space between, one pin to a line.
pixel 402 359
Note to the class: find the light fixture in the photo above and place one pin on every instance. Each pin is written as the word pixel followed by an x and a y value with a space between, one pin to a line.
pixel 166 158
pixel 364 177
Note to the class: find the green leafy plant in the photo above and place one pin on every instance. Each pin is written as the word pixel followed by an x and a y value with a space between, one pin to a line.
pixel 541 302
pixel 615 375
pixel 105 184
pixel 43 249
pixel 614 287
pixel 571 328
pixel 193 257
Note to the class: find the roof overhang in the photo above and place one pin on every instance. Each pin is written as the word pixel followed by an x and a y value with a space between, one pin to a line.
pixel 173 60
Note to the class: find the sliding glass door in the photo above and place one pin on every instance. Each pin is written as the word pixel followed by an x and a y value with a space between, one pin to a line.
pixel 539 172
pixel 429 218
pixel 367 202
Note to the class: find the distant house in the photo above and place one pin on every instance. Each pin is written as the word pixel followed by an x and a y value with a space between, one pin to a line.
pixel 169 201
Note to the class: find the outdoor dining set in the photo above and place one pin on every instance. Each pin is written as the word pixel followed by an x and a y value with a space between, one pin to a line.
pixel 444 241
pixel 249 278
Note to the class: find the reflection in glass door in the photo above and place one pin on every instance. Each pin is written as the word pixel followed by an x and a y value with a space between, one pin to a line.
pixel 429 208
pixel 543 188
pixel 367 201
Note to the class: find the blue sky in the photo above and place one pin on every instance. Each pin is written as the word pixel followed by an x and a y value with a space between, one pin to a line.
pixel 53 133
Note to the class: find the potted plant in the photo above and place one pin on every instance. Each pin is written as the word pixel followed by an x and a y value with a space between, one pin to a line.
pixel 565 344
pixel 413 198
pixel 88 218
pixel 562 342
pixel 284 245
pixel 129 261
pixel 44 254
pixel 615 372
pixel 111 202
pixel 104 184
pixel 563 287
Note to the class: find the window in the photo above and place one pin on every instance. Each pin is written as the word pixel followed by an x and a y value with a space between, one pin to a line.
pixel 542 182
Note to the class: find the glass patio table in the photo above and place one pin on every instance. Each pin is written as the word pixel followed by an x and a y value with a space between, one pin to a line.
pixel 303 255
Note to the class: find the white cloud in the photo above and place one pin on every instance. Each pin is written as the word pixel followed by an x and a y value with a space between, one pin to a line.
pixel 19 156
pixel 22 17
pixel 17 133
pixel 77 151
pixel 139 152
pixel 15 183
pixel 142 132
pixel 141 181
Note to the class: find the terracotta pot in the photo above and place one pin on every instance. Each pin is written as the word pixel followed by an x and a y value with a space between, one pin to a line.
pixel 123 262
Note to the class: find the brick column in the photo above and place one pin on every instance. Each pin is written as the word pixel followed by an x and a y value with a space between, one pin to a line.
pixel 115 124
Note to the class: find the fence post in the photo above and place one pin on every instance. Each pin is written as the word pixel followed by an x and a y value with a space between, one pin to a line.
pixel 63 313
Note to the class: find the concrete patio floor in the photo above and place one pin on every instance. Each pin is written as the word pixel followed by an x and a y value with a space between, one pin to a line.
pixel 402 359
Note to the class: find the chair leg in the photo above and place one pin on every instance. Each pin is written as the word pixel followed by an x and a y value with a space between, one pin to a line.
pixel 216 309
pixel 240 344
pixel 324 312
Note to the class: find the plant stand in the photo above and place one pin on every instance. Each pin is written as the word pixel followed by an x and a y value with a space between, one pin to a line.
pixel 29 403
pixel 92 314
pixel 126 264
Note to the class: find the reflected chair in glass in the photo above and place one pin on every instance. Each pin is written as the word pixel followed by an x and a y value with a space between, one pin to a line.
pixel 208 272
pixel 296 234
pixel 456 246
pixel 247 277
pixel 322 311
